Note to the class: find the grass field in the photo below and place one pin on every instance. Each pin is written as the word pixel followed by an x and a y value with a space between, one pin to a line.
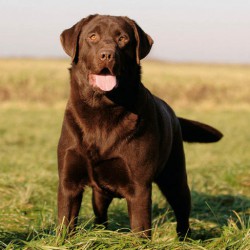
pixel 33 95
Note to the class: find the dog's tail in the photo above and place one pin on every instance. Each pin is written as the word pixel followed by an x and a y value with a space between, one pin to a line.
pixel 193 131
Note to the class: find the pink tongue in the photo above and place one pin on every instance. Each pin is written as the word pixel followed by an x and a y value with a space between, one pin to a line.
pixel 104 82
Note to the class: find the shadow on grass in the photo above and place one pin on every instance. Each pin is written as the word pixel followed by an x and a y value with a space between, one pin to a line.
pixel 218 208
pixel 118 219
pixel 16 237
pixel 210 213
pixel 214 211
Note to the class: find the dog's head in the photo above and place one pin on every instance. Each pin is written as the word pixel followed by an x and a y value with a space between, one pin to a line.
pixel 106 47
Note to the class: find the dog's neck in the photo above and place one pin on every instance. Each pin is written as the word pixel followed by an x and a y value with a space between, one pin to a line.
pixel 126 94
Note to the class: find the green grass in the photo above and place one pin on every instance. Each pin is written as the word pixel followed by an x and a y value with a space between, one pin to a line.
pixel 33 96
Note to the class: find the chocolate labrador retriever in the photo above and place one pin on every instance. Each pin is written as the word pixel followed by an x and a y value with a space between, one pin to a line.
pixel 116 136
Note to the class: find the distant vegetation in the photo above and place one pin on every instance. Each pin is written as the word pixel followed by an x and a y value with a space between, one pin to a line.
pixel 182 85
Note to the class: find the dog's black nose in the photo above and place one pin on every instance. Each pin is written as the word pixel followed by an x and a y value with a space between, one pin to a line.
pixel 106 55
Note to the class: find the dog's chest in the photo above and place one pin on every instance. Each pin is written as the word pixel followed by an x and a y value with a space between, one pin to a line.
pixel 104 137
pixel 106 148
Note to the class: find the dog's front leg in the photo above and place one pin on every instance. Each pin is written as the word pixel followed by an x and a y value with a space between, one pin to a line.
pixel 70 188
pixel 69 204
pixel 139 209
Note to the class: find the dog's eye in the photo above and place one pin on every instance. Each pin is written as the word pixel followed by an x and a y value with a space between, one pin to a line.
pixel 122 39
pixel 93 37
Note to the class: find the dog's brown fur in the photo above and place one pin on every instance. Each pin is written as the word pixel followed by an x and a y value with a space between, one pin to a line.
pixel 121 141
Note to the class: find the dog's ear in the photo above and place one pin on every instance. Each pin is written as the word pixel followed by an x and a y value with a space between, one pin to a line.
pixel 69 37
pixel 143 41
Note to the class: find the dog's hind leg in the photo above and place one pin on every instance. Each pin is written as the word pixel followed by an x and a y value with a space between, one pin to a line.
pixel 173 184
pixel 179 199
pixel 101 202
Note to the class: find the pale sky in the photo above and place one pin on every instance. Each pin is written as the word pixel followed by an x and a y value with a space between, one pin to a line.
pixel 183 30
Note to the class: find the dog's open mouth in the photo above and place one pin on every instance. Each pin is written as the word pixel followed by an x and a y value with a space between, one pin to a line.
pixel 104 80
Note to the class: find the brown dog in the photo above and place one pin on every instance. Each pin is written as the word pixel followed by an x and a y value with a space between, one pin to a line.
pixel 116 136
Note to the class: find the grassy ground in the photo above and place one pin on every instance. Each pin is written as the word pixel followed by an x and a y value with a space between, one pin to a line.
pixel 33 95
